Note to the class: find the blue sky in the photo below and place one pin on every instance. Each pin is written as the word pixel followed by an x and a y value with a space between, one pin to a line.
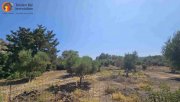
pixel 95 26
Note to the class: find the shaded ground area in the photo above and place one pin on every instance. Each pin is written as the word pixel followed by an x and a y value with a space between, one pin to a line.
pixel 36 96
pixel 13 82
pixel 69 87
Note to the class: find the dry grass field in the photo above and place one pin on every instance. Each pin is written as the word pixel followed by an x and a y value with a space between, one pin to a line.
pixel 109 85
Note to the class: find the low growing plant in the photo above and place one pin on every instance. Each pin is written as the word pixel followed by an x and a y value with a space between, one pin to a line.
pixel 164 95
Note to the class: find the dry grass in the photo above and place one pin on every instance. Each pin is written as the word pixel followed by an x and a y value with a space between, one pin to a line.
pixel 144 86
pixel 139 74
pixel 118 96
pixel 114 84
pixel 106 73
pixel 79 93
pixel 45 97
pixel 89 100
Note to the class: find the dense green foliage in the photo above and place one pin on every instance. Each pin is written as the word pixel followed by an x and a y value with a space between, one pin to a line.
pixel 29 66
pixel 130 61
pixel 3 61
pixel 35 40
pixel 106 60
pixel 4 55
pixel 84 66
pixel 156 60
pixel 3 46
pixel 69 58
pixel 95 66
pixel 171 51
pixel 26 48
pixel 78 66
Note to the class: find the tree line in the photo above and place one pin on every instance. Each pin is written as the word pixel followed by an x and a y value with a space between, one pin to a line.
pixel 28 53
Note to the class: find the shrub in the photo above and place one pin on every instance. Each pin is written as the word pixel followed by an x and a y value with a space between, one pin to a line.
pixel 145 87
pixel 34 74
pixel 118 97
pixel 144 67
pixel 30 66
pixel 164 95
pixel 110 90
pixel 15 75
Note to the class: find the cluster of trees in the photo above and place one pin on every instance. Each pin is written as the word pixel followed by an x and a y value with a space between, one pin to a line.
pixel 78 66
pixel 106 60
pixel 157 60
pixel 27 53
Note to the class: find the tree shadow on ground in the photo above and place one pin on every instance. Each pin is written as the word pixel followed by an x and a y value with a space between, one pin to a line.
pixel 177 72
pixel 69 87
pixel 65 76
pixel 175 79
pixel 13 82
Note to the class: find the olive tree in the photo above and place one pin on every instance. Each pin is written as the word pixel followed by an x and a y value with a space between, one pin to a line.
pixel 171 51
pixel 69 58
pixel 84 66
pixel 130 62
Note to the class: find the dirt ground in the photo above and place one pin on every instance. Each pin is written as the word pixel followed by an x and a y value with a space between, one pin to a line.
pixel 163 75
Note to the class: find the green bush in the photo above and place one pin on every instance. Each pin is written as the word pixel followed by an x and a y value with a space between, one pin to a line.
pixel 30 66
pixel 15 75
pixel 144 67
pixel 164 95
pixel 36 74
